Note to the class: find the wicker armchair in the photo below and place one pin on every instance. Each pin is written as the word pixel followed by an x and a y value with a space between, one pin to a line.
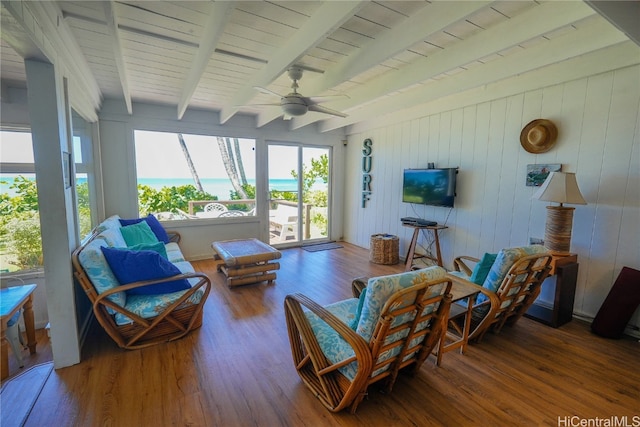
pixel 511 286
pixel 339 351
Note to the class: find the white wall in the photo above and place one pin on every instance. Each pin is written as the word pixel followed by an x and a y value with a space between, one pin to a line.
pixel 119 177
pixel 599 139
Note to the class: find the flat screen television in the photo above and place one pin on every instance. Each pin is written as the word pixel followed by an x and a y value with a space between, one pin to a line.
pixel 435 187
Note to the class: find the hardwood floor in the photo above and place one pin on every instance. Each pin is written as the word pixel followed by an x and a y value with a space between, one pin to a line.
pixel 237 369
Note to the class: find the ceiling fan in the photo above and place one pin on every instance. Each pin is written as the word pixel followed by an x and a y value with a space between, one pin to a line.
pixel 295 104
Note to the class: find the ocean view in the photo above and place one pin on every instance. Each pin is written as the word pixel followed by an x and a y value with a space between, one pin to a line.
pixel 220 187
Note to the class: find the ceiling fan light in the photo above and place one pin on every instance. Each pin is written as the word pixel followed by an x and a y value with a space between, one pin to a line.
pixel 295 109
pixel 294 106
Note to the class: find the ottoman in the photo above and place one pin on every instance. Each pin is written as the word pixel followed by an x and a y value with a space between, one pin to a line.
pixel 246 261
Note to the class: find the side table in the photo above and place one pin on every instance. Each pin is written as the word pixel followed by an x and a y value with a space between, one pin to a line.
pixel 11 300
pixel 565 271
pixel 411 252
pixel 455 337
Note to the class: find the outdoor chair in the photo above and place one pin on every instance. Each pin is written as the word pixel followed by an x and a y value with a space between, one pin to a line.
pixel 509 282
pixel 215 207
pixel 342 348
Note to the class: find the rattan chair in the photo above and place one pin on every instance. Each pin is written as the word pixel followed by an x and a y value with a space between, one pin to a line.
pixel 516 275
pixel 338 352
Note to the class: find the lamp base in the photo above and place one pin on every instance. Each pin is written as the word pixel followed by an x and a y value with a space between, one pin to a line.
pixel 557 233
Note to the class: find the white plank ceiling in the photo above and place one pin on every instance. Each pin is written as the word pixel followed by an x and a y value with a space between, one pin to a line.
pixel 384 55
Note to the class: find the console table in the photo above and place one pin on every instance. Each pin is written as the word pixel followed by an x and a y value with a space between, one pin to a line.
pixel 411 252
pixel 565 271
pixel 11 300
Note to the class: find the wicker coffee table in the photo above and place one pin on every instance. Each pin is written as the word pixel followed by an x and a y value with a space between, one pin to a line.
pixel 246 261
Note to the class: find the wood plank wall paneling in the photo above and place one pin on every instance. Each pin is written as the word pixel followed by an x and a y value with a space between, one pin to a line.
pixel 236 370
pixel 599 139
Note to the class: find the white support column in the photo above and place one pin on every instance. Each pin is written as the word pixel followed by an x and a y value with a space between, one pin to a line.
pixel 48 111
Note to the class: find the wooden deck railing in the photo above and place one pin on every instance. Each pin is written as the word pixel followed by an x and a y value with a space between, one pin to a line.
pixel 306 208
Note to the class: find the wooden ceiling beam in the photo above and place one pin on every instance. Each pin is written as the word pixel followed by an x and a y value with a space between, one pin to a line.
pixel 327 18
pixel 112 29
pixel 601 61
pixel 45 33
pixel 524 27
pixel 582 41
pixel 431 19
pixel 213 29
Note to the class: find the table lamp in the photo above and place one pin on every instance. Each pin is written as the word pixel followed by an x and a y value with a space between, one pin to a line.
pixel 559 187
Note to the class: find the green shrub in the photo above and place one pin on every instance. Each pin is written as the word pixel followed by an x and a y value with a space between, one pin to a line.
pixel 168 199
pixel 24 240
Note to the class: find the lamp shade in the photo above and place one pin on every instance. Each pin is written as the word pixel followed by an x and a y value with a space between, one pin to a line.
pixel 560 187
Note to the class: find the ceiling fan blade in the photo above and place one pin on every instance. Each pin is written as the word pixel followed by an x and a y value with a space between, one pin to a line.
pixel 321 109
pixel 326 98
pixel 267 91
pixel 276 104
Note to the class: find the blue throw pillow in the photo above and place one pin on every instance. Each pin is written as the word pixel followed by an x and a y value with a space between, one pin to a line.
pixel 136 234
pixel 158 247
pixel 135 266
pixel 481 270
pixel 153 222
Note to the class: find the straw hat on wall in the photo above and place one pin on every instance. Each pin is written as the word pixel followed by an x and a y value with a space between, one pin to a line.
pixel 538 136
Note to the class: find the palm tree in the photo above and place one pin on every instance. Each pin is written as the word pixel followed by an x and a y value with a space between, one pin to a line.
pixel 233 169
pixel 192 168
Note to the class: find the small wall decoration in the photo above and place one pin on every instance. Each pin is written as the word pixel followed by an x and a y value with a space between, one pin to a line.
pixel 536 174
pixel 367 149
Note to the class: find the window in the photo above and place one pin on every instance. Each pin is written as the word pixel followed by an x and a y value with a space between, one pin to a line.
pixel 84 175
pixel 183 176
pixel 20 239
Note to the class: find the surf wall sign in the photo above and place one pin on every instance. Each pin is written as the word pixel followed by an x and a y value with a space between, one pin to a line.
pixel 367 160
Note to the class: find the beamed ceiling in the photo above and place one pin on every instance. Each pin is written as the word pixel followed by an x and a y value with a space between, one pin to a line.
pixel 382 57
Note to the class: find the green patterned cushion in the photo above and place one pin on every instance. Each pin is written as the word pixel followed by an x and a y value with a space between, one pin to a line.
pixel 333 346
pixel 147 306
pixel 113 237
pixel 174 254
pixel 98 271
pixel 111 223
pixel 504 261
pixel 379 289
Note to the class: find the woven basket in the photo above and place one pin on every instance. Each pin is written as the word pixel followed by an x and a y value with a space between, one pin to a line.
pixel 384 249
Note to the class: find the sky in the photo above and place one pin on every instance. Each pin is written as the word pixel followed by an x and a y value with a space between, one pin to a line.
pixel 158 155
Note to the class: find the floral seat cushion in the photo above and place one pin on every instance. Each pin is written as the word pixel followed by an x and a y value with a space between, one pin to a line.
pixel 148 306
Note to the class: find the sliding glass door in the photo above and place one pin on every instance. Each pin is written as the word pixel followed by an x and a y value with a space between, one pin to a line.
pixel 299 193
